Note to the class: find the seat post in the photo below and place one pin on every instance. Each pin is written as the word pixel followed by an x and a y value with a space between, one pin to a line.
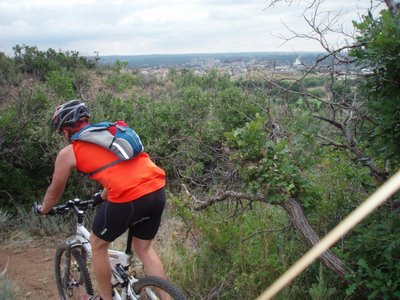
pixel 128 249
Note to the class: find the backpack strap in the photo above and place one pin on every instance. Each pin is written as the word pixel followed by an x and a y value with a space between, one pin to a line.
pixel 113 163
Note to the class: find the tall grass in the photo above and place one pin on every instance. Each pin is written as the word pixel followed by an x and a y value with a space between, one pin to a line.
pixel 24 227
pixel 8 289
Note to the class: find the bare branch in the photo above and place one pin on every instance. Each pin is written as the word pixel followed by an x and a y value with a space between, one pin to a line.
pixel 393 6
pixel 353 148
pixel 330 142
pixel 322 23
pixel 230 194
pixel 297 218
pixel 273 2
pixel 332 122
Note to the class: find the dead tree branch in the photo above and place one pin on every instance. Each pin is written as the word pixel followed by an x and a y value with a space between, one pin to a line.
pixel 228 195
pixel 352 146
pixel 297 217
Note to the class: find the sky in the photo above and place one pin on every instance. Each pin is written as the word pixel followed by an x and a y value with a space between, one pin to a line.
pixel 132 27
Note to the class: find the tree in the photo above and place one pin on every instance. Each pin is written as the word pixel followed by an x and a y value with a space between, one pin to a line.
pixel 380 45
pixel 364 112
pixel 277 169
pixel 345 111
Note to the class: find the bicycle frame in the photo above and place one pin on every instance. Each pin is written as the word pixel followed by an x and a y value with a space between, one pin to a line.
pixel 120 261
pixel 82 235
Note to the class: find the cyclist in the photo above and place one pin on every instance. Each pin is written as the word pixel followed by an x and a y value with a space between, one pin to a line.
pixel 133 190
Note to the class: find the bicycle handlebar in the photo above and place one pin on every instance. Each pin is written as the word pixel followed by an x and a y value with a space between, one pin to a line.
pixel 76 204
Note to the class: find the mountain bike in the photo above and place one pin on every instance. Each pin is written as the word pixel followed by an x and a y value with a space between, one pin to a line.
pixel 73 260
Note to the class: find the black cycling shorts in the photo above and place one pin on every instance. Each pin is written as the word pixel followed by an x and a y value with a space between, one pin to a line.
pixel 113 219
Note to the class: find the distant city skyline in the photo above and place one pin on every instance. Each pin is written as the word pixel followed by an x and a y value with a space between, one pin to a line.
pixel 214 59
pixel 140 27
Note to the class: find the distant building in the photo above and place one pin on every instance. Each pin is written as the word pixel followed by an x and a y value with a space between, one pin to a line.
pixel 297 63
pixel 367 71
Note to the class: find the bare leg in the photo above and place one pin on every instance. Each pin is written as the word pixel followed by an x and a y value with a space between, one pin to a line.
pixel 151 262
pixel 101 266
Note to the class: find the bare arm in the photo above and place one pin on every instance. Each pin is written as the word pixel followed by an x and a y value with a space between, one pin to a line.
pixel 104 194
pixel 65 163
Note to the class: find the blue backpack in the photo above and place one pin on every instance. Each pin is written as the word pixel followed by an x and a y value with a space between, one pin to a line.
pixel 113 136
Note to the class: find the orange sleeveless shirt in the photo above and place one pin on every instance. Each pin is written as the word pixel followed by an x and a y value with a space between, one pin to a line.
pixel 125 181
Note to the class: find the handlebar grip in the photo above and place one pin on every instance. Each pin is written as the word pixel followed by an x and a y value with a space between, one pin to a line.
pixel 97 199
pixel 37 210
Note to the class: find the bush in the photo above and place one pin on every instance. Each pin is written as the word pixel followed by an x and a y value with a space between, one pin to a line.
pixel 118 80
pixel 8 71
pixel 380 38
pixel 375 253
pixel 39 63
pixel 61 83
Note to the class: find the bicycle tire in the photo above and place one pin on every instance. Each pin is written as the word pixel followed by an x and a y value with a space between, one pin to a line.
pixel 148 288
pixel 72 274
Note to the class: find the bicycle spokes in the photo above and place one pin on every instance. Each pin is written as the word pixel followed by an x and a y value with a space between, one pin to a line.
pixel 70 273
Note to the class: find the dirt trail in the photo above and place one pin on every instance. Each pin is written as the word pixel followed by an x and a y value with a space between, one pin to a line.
pixel 31 269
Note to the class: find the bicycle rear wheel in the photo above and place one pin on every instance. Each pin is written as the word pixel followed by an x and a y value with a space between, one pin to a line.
pixel 72 275
pixel 153 288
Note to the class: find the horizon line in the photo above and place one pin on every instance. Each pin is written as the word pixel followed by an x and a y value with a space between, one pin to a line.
pixel 208 53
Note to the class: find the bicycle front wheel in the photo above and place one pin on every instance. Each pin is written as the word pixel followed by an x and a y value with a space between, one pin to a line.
pixel 72 275
pixel 153 288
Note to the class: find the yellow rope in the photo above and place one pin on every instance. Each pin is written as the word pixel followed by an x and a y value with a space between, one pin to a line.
pixel 375 200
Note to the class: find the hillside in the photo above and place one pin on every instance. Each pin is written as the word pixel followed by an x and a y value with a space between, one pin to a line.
pixel 259 167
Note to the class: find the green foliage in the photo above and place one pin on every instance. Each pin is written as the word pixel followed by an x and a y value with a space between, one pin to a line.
pixel 264 165
pixel 25 140
pixel 379 50
pixel 235 258
pixel 335 189
pixel 8 71
pixel 186 126
pixel 110 107
pixel 319 290
pixel 119 80
pixel 210 133
pixel 375 248
pixel 235 109
pixel 309 82
pixel 61 84
pixel 38 63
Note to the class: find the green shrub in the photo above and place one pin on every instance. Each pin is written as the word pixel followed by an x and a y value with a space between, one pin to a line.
pixel 38 63
pixel 375 257
pixel 119 80
pixel 8 71
pixel 61 83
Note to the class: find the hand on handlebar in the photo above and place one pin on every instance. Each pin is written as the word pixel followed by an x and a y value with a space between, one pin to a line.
pixel 97 199
pixel 37 210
